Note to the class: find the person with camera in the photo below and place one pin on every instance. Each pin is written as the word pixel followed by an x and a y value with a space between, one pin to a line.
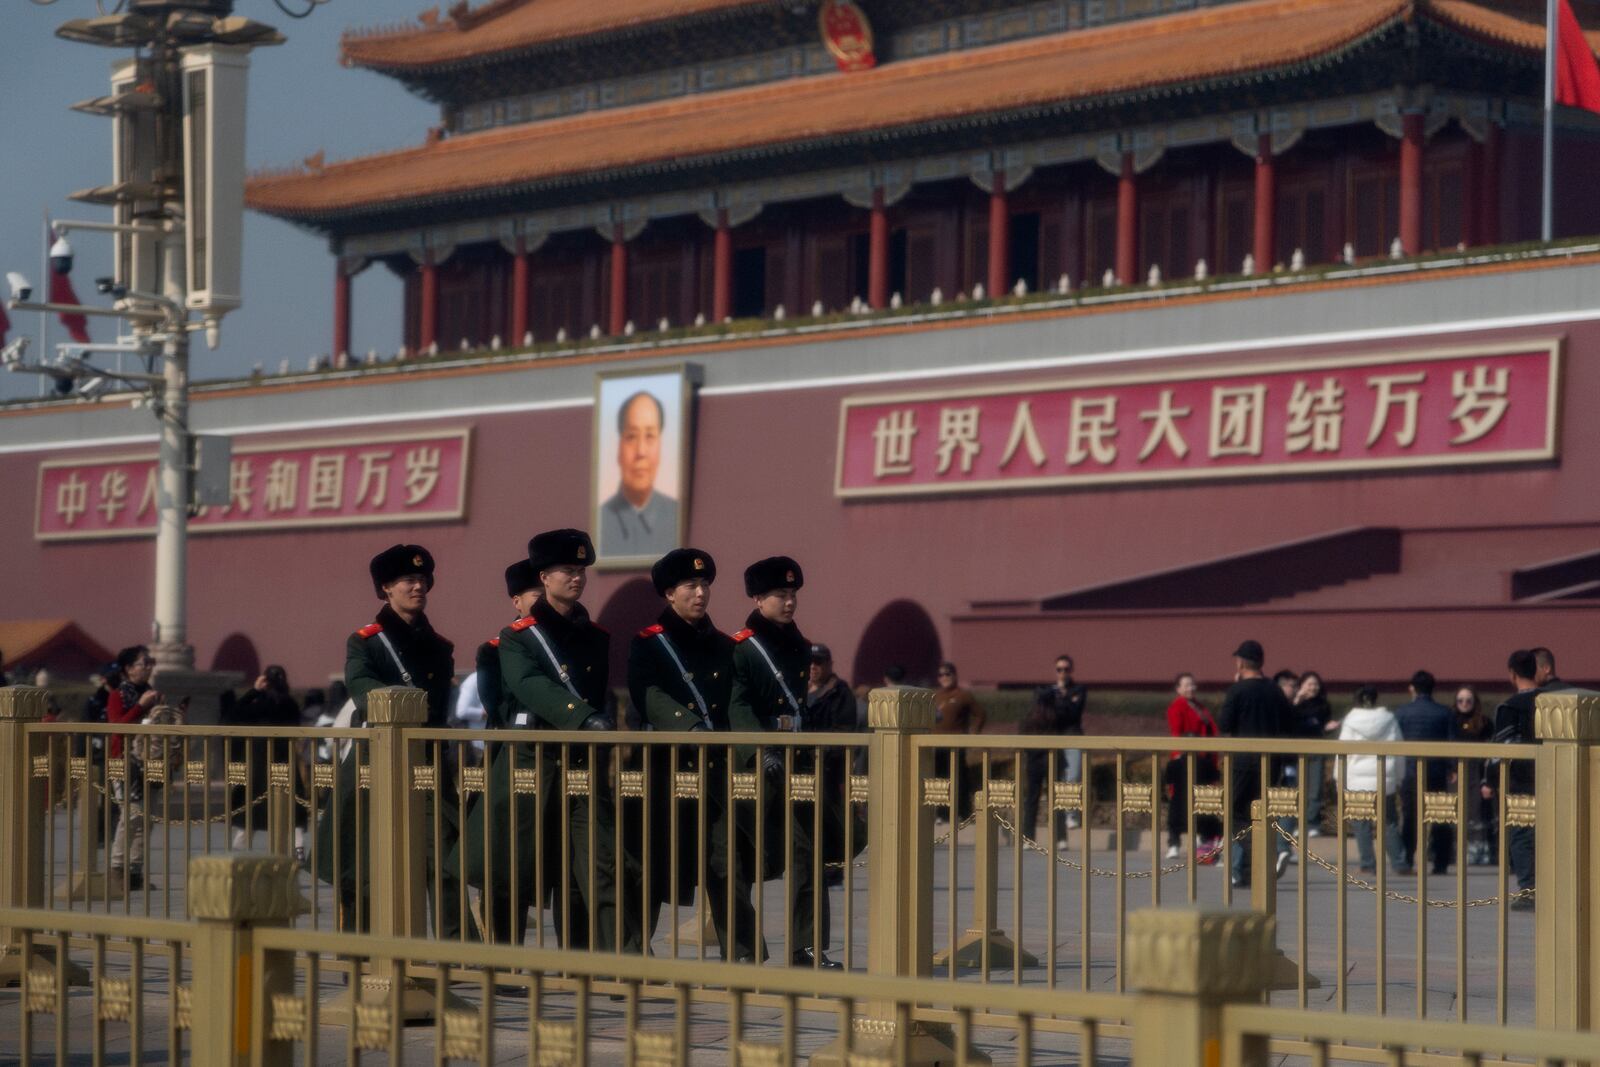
pixel 771 666
pixel 680 678
pixel 398 648
pixel 130 702
pixel 268 702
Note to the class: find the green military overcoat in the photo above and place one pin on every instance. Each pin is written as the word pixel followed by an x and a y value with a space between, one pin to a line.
pixel 535 697
pixel 429 660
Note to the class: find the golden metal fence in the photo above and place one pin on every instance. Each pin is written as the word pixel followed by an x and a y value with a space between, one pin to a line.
pixel 238 985
pixel 1010 915
pixel 123 808
pixel 1070 890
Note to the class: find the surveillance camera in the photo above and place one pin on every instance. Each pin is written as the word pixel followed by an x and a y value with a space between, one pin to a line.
pixel 12 354
pixel 110 287
pixel 21 287
pixel 92 387
pixel 61 256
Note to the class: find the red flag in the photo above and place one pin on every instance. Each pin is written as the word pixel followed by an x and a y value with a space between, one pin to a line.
pixel 61 293
pixel 1577 75
pixel 5 324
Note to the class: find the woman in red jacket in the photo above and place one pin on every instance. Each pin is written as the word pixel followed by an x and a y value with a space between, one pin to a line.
pixel 1187 717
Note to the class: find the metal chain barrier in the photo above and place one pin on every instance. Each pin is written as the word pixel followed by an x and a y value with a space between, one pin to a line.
pixel 222 816
pixel 1359 883
pixel 1101 872
pixel 1403 898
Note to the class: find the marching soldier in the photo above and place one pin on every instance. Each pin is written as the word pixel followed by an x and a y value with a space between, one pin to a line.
pixel 771 665
pixel 680 676
pixel 554 665
pixel 400 647
pixel 507 904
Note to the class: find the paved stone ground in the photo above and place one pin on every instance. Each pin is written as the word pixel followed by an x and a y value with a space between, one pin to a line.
pixel 1438 985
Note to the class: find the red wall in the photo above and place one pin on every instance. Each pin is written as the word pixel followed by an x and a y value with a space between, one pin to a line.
pixel 763 468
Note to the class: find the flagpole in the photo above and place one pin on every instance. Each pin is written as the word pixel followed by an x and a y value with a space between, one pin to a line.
pixel 1547 212
pixel 44 294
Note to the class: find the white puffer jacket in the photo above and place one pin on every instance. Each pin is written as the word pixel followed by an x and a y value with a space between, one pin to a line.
pixel 1361 771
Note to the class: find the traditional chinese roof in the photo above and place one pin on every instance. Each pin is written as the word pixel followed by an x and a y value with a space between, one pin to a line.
pixel 505 26
pixel 36 641
pixel 1176 54
pixel 1515 23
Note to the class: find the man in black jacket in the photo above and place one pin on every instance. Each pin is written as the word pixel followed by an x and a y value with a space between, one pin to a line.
pixel 1546 675
pixel 1424 719
pixel 1058 711
pixel 1252 707
pixel 1513 725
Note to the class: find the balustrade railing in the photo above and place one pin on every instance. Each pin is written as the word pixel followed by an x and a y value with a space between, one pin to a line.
pixel 596 847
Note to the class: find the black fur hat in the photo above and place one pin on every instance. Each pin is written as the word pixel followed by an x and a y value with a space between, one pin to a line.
pixel 774 572
pixel 680 565
pixel 398 561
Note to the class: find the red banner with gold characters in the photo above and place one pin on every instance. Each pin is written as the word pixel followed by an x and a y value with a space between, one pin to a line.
pixel 345 482
pixel 1436 409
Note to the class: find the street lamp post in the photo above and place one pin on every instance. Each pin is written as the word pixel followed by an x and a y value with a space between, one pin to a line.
pixel 177 196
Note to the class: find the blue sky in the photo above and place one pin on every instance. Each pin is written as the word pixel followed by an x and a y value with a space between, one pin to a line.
pixel 300 101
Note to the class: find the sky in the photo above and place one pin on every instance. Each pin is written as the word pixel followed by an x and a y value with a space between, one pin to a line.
pixel 300 101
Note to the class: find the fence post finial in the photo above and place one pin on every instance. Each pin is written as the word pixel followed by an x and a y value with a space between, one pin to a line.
pixel 229 895
pixel 900 868
pixel 1186 964
pixel 1566 860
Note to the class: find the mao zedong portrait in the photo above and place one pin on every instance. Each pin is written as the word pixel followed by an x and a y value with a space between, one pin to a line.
pixel 638 520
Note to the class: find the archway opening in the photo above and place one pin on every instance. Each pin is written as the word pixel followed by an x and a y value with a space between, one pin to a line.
pixel 901 634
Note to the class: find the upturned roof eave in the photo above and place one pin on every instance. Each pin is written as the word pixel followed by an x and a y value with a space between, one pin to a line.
pixel 325 221
pixel 417 73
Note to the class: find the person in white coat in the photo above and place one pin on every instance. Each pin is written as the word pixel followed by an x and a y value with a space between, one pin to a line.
pixel 1368 722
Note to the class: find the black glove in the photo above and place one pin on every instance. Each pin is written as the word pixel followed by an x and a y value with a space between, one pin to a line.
pixel 599 721
pixel 772 764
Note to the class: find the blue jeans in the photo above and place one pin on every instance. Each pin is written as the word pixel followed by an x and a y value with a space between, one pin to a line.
pixel 1393 847
pixel 1316 774
pixel 1069 768
pixel 1239 850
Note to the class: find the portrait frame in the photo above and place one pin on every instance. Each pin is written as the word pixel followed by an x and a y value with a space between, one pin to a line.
pixel 620 544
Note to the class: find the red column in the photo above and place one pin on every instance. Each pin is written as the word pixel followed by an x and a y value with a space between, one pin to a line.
pixel 1266 238
pixel 1127 223
pixel 1489 188
pixel 1411 183
pixel 619 282
pixel 519 293
pixel 429 334
pixel 878 254
pixel 341 309
pixel 722 269
pixel 999 237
